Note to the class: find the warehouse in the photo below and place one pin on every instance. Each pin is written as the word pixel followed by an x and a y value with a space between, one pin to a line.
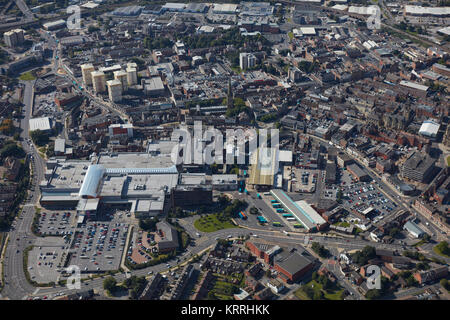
pixel 301 211
pixel 413 229
pixel 43 124
pixel 222 8
pixel 292 265
pixel 54 25
pixel 440 12
pixel 256 9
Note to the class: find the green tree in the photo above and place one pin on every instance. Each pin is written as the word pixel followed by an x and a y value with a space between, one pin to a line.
pixel 110 284
pixel 148 224
pixel 445 284
pixel 12 149
pixel 39 137
pixel 373 294
pixel 443 248
pixel 318 295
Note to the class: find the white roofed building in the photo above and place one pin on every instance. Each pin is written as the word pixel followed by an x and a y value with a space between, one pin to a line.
pixel 429 129
pixel 43 124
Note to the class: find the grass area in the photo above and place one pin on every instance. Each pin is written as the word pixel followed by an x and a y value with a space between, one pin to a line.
pixel 223 290
pixel 437 251
pixel 211 223
pixel 421 242
pixel 402 36
pixel 291 35
pixel 27 76
pixel 448 161
pixel 334 293
pixel 343 224
pixel 236 69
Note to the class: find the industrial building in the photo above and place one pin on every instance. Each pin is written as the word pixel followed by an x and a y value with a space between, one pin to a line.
pixel 221 8
pixel 301 211
pixel 292 265
pixel 413 229
pixel 44 124
pixel 54 25
pixel 256 9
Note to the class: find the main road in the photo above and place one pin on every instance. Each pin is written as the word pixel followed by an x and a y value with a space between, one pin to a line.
pixel 20 236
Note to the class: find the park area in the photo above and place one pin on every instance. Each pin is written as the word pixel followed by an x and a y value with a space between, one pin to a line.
pixel 314 290
pixel 27 76
pixel 442 249
pixel 213 222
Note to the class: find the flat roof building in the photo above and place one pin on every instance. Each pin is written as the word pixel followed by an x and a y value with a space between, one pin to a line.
pixel 418 167
pixel 54 25
pixel 98 81
pixel 292 265
pixel 86 72
pixel 413 229
pixel 358 173
pixel 43 124
pixel 114 90
pixel 154 86
pixel 301 211
pixel 429 129
pixel 222 8
pixel 123 78
pixel 138 179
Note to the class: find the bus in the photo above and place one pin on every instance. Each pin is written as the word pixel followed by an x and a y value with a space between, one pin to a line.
pixel 242 215
pixel 291 219
pixel 258 196
pixel 287 215
pixel 261 219
pixel 280 210
pixel 277 224
pixel 298 225
pixel 245 173
pixel 274 201
pixel 276 205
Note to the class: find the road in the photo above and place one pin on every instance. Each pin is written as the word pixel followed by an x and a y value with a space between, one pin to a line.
pixel 16 285
pixel 24 8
